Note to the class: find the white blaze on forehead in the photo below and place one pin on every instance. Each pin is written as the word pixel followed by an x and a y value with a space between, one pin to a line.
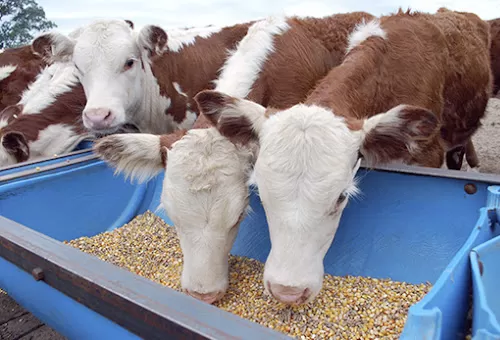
pixel 6 71
pixel 311 160
pixel 179 38
pixel 210 158
pixel 53 81
pixel 105 41
pixel 363 31
pixel 244 64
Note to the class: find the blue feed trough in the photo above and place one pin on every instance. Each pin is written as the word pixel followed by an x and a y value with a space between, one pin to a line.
pixel 485 262
pixel 411 224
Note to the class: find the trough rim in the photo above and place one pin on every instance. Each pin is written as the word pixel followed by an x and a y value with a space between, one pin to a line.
pixel 115 293
pixel 89 155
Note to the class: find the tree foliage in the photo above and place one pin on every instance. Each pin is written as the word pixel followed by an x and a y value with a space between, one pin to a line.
pixel 20 20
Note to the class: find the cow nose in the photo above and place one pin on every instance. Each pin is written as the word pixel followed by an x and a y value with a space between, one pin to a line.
pixel 205 297
pixel 99 118
pixel 288 295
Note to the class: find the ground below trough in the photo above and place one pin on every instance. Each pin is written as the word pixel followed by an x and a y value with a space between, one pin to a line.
pixel 18 324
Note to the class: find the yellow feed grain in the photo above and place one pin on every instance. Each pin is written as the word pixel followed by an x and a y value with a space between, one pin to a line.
pixel 347 307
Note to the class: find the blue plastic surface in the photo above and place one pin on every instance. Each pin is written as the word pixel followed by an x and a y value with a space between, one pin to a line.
pixel 67 316
pixel 404 227
pixel 486 297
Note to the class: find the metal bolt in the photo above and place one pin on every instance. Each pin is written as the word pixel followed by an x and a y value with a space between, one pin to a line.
pixel 38 273
pixel 470 188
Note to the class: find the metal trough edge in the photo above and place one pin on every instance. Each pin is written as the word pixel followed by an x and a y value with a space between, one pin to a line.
pixel 399 168
pixel 146 308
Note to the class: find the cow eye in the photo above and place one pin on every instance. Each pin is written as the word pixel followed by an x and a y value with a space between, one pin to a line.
pixel 336 207
pixel 129 64
pixel 341 198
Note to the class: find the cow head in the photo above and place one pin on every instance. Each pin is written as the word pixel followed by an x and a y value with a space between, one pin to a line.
pixel 205 194
pixel 305 171
pixel 113 62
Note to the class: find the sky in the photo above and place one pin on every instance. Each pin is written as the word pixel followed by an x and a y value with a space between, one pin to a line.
pixel 168 14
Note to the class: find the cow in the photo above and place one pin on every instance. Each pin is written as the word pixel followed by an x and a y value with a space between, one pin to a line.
pixel 18 68
pixel 59 125
pixel 411 86
pixel 205 190
pixel 47 119
pixel 146 78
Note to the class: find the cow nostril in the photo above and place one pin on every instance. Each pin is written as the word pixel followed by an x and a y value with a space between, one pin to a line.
pixel 108 116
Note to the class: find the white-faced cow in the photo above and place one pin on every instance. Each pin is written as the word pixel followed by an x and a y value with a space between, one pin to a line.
pixel 205 189
pixel 146 78
pixel 47 120
pixel 412 86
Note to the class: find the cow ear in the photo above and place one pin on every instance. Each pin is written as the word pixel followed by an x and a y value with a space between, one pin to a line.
pixel 237 119
pixel 153 39
pixel 397 134
pixel 16 145
pixel 130 23
pixel 53 46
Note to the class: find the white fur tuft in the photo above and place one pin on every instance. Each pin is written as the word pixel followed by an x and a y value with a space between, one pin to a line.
pixel 363 31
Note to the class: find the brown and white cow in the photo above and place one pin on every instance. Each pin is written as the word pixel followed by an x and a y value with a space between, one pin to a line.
pixel 205 190
pixel 57 125
pixel 18 68
pixel 411 86
pixel 146 78
pixel 47 119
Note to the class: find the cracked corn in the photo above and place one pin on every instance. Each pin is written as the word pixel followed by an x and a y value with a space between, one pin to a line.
pixel 347 307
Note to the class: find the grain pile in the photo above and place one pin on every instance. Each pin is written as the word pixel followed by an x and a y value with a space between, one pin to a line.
pixel 347 308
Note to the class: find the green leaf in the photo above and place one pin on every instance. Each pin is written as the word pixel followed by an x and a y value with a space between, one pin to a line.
pixel 20 20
